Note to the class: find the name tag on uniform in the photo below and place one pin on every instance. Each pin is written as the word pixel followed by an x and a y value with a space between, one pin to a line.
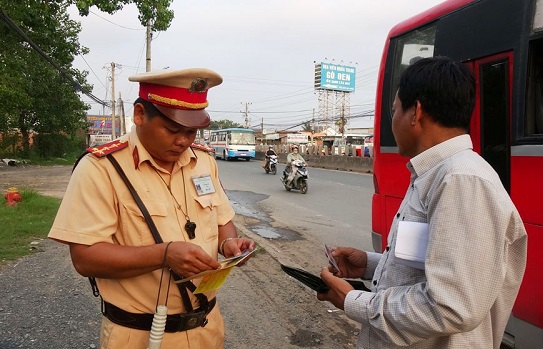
pixel 203 184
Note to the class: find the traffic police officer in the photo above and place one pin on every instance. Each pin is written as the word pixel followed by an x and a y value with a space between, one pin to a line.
pixel 178 183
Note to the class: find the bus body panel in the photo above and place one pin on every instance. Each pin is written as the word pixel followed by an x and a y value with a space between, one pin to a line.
pixel 527 190
pixel 242 152
pixel 527 194
pixel 378 222
pixel 482 34
pixel 431 14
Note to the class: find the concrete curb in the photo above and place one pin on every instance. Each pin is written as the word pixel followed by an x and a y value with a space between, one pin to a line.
pixel 331 162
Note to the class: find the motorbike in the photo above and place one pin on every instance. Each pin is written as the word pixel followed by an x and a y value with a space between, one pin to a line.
pixel 299 182
pixel 271 165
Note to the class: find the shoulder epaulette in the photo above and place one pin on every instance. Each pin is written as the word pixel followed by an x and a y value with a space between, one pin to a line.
pixel 202 147
pixel 108 148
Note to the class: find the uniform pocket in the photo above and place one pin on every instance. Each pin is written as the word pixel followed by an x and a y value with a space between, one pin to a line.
pixel 207 216
pixel 136 231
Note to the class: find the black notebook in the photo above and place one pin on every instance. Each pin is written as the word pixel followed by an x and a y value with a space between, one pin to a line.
pixel 316 283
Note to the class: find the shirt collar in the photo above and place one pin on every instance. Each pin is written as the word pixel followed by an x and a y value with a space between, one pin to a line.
pixel 141 155
pixel 436 154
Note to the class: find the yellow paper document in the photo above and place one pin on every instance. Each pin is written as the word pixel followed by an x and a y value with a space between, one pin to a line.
pixel 213 281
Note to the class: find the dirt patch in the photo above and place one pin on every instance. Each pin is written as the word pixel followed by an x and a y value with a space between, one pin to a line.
pixel 48 180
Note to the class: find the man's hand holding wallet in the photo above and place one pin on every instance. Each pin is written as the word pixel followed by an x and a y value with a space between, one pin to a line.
pixel 344 262
pixel 316 283
pixel 347 263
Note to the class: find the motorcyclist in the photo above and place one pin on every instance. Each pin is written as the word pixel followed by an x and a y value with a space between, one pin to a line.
pixel 269 153
pixel 291 168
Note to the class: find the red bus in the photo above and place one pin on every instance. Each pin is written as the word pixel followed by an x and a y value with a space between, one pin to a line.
pixel 502 42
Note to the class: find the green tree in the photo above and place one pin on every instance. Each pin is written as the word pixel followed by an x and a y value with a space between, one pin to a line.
pixel 38 86
pixel 36 95
pixel 224 123
pixel 156 12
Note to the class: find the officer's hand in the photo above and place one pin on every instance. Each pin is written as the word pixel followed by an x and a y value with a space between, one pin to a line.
pixel 187 259
pixel 338 289
pixel 351 262
pixel 237 246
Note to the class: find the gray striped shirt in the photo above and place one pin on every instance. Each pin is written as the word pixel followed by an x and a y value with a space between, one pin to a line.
pixel 474 261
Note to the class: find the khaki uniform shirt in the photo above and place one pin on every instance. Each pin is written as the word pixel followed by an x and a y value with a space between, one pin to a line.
pixel 97 207
pixel 474 262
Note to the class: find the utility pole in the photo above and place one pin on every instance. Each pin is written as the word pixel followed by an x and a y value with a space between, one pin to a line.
pixel 246 114
pixel 148 38
pixel 342 129
pixel 113 133
pixel 313 121
pixel 121 115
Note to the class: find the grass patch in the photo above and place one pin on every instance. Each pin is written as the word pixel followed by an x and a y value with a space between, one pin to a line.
pixel 31 219
pixel 36 160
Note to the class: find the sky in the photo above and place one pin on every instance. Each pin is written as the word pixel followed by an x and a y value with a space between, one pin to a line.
pixel 264 50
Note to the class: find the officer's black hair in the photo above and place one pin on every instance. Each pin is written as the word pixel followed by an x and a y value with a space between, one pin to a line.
pixel 150 110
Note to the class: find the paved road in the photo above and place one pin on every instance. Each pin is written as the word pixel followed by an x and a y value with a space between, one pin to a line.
pixel 335 210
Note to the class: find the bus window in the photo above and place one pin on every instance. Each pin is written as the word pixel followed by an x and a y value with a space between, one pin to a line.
pixel 494 106
pixel 538 16
pixel 242 138
pixel 409 48
pixel 534 99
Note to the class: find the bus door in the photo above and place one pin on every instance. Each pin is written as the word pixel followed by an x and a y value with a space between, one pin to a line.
pixel 490 127
pixel 494 76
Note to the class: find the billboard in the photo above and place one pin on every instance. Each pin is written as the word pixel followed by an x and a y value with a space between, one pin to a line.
pixel 268 131
pixel 296 138
pixel 96 140
pixel 334 77
pixel 101 124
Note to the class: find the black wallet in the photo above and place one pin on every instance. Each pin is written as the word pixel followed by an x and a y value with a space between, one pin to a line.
pixel 316 283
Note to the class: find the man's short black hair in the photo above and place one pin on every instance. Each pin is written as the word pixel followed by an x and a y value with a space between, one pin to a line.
pixel 444 88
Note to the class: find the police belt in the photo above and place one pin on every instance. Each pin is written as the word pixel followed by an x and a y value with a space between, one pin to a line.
pixel 174 323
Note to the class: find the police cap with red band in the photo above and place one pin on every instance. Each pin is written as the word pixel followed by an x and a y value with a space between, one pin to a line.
pixel 180 95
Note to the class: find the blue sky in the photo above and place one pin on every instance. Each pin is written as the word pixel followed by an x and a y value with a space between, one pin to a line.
pixel 265 51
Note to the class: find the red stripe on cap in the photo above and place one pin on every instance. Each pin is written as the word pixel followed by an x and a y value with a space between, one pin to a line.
pixel 173 97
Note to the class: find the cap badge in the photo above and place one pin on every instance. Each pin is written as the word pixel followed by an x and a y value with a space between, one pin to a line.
pixel 198 85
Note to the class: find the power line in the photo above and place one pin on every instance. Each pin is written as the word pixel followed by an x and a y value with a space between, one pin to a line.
pixel 84 60
pixel 118 25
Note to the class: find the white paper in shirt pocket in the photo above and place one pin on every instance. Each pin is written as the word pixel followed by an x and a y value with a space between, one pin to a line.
pixel 411 243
